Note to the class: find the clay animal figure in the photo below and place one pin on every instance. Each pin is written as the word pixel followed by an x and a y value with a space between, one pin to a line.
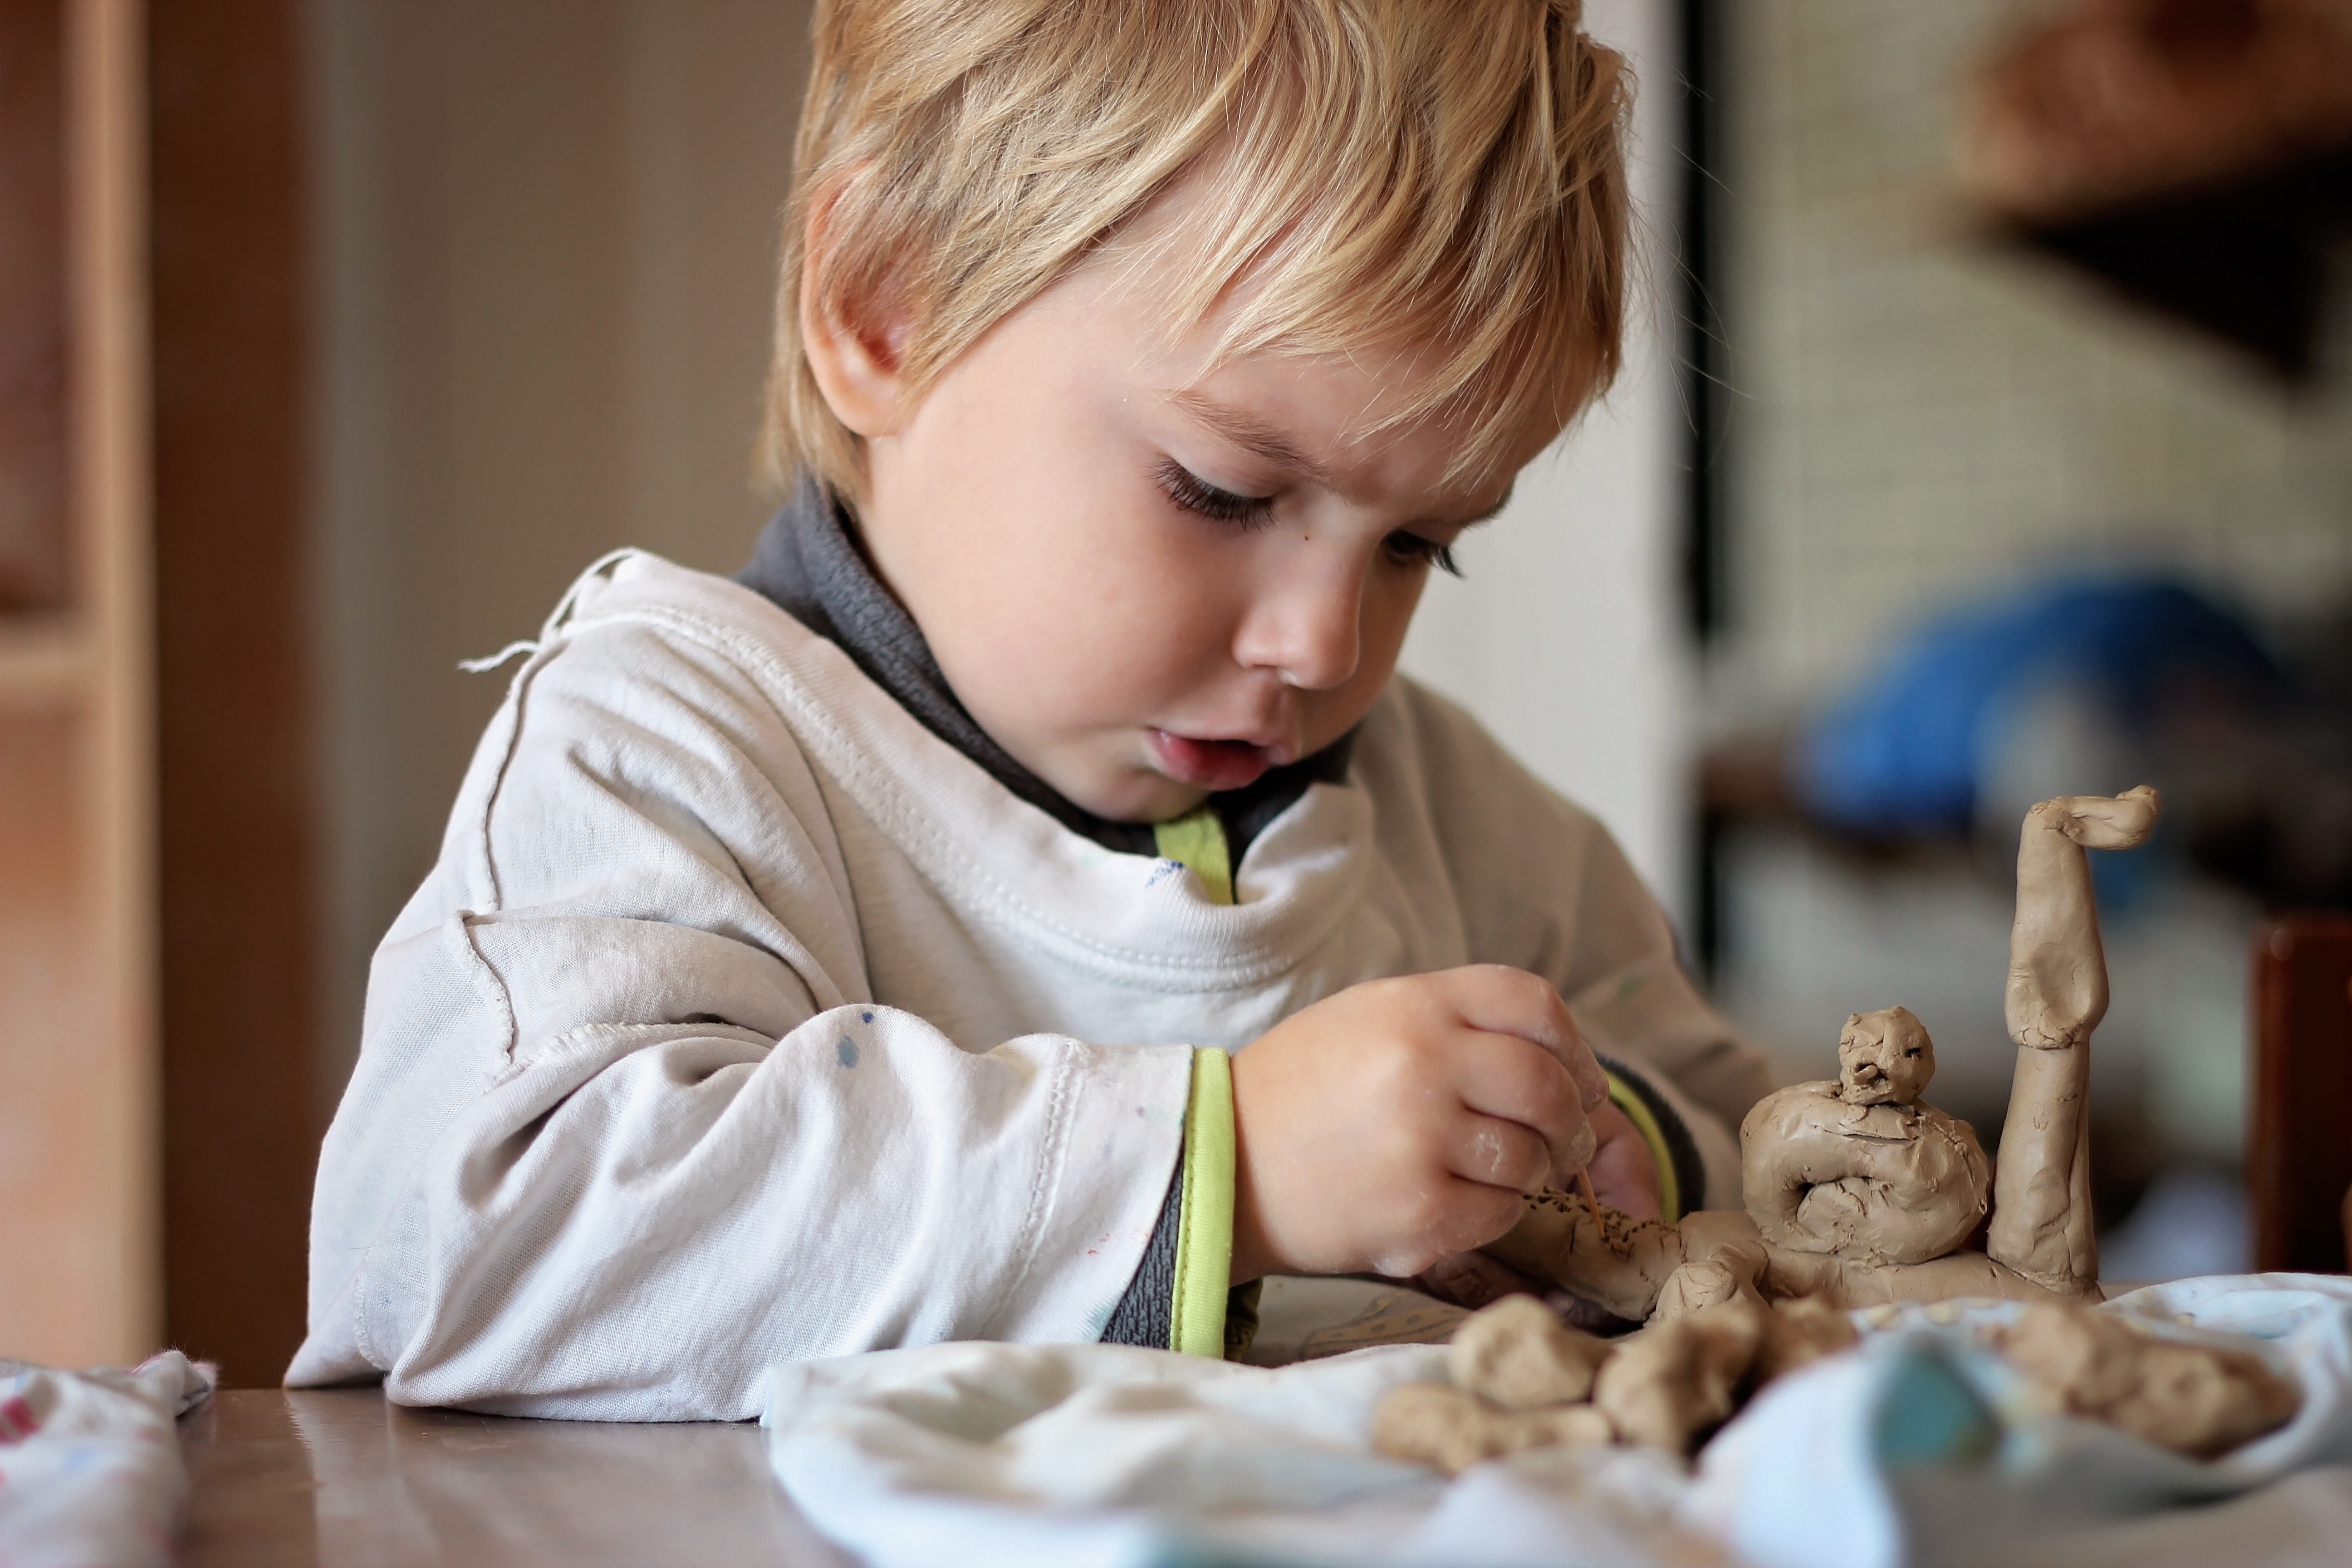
pixel 1861 1165
pixel 1857 1192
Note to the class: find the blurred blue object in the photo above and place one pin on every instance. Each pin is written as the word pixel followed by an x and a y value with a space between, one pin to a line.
pixel 1906 752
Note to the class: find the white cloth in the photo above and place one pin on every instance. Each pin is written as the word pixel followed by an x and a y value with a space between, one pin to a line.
pixel 1924 1448
pixel 1915 1448
pixel 743 1019
pixel 1111 1457
pixel 89 1463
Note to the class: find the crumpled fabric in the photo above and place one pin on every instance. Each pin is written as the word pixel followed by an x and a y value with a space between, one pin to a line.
pixel 1924 1448
pixel 992 1456
pixel 90 1461
pixel 1919 1447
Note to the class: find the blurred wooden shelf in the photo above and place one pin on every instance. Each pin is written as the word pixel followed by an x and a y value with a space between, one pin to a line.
pixel 2197 157
pixel 44 661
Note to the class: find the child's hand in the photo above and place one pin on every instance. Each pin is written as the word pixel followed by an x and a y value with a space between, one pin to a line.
pixel 1624 1171
pixel 1396 1123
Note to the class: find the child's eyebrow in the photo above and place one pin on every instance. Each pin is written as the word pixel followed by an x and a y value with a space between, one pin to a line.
pixel 1255 436
pixel 1252 436
pixel 1490 513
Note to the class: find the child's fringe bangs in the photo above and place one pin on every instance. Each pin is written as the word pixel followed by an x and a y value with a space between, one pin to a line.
pixel 1374 175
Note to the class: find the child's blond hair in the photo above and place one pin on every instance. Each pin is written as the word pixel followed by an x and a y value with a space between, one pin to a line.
pixel 1383 172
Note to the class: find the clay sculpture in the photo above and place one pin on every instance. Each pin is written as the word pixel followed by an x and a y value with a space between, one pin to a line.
pixel 1857 1191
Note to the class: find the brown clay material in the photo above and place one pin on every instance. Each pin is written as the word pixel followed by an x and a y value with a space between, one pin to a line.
pixel 2057 994
pixel 2194 1399
pixel 1619 1265
pixel 1799 1333
pixel 1864 1167
pixel 1432 1423
pixel 1516 1356
pixel 1849 1283
pixel 1672 1384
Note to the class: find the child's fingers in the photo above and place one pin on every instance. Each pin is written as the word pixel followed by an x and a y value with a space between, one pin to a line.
pixel 1497 1153
pixel 1466 1216
pixel 1500 1000
pixel 1505 1077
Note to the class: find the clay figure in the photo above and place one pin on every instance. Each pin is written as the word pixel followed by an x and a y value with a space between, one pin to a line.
pixel 2057 994
pixel 1858 1192
pixel 1863 1166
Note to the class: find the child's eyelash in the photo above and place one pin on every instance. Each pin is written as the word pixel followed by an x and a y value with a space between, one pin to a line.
pixel 1411 549
pixel 1194 493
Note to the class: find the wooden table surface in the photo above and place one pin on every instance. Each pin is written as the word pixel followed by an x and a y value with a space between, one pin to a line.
pixel 340 1478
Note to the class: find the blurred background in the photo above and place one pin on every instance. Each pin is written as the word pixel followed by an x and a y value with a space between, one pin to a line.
pixel 1986 435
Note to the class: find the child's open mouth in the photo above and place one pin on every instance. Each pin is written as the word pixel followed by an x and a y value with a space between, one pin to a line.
pixel 1212 764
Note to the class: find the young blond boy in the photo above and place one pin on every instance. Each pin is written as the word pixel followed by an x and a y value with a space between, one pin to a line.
pixel 846 955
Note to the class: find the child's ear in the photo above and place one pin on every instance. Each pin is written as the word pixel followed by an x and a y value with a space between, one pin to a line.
pixel 855 346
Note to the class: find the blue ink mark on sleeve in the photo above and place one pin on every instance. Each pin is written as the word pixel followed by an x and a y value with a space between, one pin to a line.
pixel 1163 870
pixel 846 1052
pixel 865 1018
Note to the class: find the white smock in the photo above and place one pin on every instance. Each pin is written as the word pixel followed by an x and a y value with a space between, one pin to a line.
pixel 744 1020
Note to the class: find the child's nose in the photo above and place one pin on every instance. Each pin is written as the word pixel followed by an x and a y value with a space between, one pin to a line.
pixel 1313 639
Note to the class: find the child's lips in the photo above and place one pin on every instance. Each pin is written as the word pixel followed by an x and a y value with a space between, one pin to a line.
pixel 1211 765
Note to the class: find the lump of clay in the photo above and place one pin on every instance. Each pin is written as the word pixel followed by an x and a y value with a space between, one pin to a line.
pixel 1618 1264
pixel 1673 1383
pixel 1516 1356
pixel 2195 1399
pixel 1863 1167
pixel 1431 1424
pixel 1799 1333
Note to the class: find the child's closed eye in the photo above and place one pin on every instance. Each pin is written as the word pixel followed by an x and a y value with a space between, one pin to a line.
pixel 1412 550
pixel 1195 494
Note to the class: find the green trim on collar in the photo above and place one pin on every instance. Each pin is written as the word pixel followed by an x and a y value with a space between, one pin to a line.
pixel 1670 1187
pixel 1204 1225
pixel 1196 840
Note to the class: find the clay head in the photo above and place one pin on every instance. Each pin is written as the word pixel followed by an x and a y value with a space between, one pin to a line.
pixel 1884 1056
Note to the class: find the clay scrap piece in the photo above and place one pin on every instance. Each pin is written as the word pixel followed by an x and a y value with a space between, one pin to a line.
pixel 1516 1356
pixel 1520 1380
pixel 1431 1424
pixel 1799 1333
pixel 1673 1383
pixel 2195 1399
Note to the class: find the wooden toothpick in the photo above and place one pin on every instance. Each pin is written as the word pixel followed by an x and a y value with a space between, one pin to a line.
pixel 1591 1200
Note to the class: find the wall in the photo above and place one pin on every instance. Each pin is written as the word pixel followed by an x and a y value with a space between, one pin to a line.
pixel 547 232
pixel 1566 637
pixel 1924 412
